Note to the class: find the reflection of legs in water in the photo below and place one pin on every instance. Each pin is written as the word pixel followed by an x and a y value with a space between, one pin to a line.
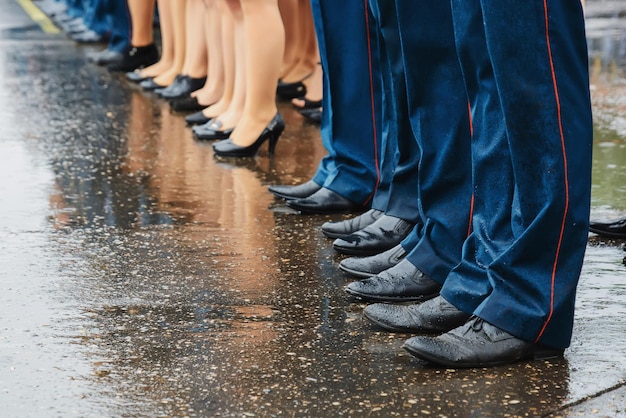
pixel 214 86
pixel 263 44
pixel 195 63
pixel 167 41
pixel 176 9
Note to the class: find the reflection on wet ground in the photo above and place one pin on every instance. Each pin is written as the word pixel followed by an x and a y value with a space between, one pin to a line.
pixel 144 277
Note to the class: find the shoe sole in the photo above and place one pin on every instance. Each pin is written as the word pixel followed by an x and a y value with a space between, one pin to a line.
pixel 361 252
pixel 403 330
pixel 538 354
pixel 607 234
pixel 392 299
pixel 357 273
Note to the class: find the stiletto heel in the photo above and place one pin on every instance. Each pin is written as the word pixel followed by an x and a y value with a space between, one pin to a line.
pixel 273 141
pixel 227 148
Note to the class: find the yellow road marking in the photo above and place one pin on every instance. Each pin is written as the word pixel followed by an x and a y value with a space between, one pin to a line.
pixel 38 16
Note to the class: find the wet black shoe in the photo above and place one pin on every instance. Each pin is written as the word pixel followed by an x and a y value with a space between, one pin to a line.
pixel 312 115
pixel 401 283
pixel 150 85
pixel 288 91
pixel 349 226
pixel 324 201
pixel 385 233
pixel 477 344
pixel 136 57
pixel 182 86
pixel 211 131
pixel 271 133
pixel 365 267
pixel 615 229
pixel 434 315
pixel 136 76
pixel 186 104
pixel 299 191
pixel 197 118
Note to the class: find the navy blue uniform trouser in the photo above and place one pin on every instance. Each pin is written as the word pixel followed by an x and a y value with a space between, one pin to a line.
pixel 439 117
pixel 526 72
pixel 351 100
pixel 397 193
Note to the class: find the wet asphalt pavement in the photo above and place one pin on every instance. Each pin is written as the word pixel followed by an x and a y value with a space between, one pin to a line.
pixel 141 276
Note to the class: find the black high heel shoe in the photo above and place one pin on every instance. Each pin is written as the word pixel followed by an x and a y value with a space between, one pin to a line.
pixel 227 148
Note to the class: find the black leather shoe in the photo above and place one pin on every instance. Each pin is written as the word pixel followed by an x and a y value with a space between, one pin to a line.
pixel 288 91
pixel 211 131
pixel 295 192
pixel 136 57
pixel 197 118
pixel 365 267
pixel 136 77
pixel 150 85
pixel 385 233
pixel 349 226
pixel 186 104
pixel 271 133
pixel 182 86
pixel 477 344
pixel 615 229
pixel 434 315
pixel 401 283
pixel 312 115
pixel 324 201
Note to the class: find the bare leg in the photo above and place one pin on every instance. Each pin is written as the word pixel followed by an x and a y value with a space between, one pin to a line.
pixel 303 58
pixel 213 89
pixel 167 42
pixel 195 63
pixel 177 9
pixel 264 48
pixel 230 110
pixel 293 43
pixel 141 15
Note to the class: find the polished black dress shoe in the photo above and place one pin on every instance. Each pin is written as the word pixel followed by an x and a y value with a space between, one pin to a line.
pixel 349 226
pixel 186 104
pixel 615 229
pixel 211 131
pixel 477 344
pixel 136 76
pixel 365 267
pixel 295 192
pixel 385 233
pixel 271 133
pixel 434 315
pixel 401 283
pixel 150 85
pixel 324 201
pixel 288 91
pixel 135 58
pixel 197 118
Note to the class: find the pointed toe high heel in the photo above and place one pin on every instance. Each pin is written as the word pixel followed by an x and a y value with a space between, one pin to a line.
pixel 227 148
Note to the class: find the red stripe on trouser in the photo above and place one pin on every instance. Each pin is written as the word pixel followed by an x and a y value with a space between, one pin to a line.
pixel 566 179
pixel 371 70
